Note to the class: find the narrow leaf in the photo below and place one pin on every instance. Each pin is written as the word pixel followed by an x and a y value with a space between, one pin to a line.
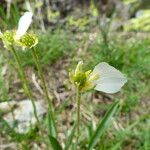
pixel 103 125
pixel 90 128
pixel 51 126
pixel 70 138
pixel 55 144
pixel 73 146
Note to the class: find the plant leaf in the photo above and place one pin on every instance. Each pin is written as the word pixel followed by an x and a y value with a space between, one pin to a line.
pixel 70 138
pixel 55 144
pixel 103 125
pixel 51 125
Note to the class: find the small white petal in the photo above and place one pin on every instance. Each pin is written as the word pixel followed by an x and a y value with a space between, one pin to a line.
pixel 111 80
pixel 24 24
pixel 1 33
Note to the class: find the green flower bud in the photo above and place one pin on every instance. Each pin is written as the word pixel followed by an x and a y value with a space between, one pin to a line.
pixel 83 80
pixel 28 40
pixel 78 77
pixel 7 38
pixel 8 35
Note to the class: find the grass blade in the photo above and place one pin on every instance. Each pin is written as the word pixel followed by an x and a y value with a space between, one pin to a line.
pixel 103 125
pixel 70 138
pixel 55 144
pixel 51 126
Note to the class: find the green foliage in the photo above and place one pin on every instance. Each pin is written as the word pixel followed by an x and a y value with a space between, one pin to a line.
pixel 129 55
pixel 103 125
pixel 77 23
pixel 51 126
pixel 7 130
pixel 9 19
pixel 55 144
pixel 141 23
pixel 129 1
pixel 93 9
pixel 53 46
pixel 70 138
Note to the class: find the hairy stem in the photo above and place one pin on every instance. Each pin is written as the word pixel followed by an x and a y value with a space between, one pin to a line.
pixel 27 89
pixel 45 89
pixel 78 98
pixel 25 82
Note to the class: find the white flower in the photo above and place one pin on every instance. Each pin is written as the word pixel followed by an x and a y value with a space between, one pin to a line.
pixel 23 25
pixel 110 79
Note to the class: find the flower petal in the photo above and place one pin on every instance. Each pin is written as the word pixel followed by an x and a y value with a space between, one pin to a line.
pixel 111 80
pixel 24 24
pixel 1 33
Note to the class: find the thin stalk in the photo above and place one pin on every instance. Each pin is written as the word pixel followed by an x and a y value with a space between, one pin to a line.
pixel 27 89
pixel 25 83
pixel 78 98
pixel 45 89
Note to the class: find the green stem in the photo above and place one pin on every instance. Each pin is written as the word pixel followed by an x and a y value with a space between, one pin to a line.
pixel 78 98
pixel 25 82
pixel 45 89
pixel 27 89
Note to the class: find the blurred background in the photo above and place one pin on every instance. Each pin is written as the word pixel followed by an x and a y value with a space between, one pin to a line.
pixel 115 31
pixel 125 15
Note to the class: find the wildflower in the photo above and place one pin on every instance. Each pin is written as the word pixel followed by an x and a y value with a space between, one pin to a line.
pixel 103 78
pixel 20 37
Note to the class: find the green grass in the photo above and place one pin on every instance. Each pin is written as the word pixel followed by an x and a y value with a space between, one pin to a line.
pixel 12 21
pixel 53 46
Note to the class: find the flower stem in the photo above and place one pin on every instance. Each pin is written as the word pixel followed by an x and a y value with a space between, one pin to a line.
pixel 45 89
pixel 25 82
pixel 78 98
pixel 26 88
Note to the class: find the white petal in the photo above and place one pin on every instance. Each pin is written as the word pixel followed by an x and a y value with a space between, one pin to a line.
pixel 24 24
pixel 1 33
pixel 111 80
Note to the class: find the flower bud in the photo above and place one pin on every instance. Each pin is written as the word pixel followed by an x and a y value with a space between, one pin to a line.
pixel 28 40
pixel 8 35
pixel 83 80
pixel 7 38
